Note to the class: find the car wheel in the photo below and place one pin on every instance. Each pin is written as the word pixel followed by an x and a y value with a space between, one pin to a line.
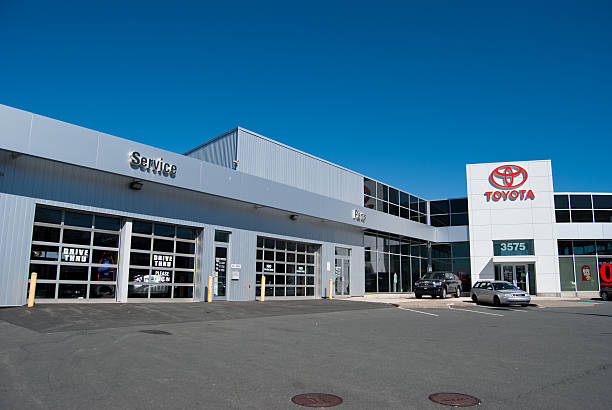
pixel 474 299
pixel 604 296
pixel 457 292
pixel 418 295
pixel 496 301
pixel 443 293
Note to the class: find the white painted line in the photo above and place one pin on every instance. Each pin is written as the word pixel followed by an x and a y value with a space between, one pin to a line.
pixel 417 311
pixel 474 311
pixel 503 308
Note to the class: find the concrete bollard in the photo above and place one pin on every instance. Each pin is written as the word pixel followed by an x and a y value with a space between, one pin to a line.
pixel 210 293
pixel 32 289
pixel 262 293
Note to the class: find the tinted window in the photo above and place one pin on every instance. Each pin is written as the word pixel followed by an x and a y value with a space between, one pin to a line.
pixel 75 219
pixel 52 216
pixel 393 196
pixel 108 223
pixel 584 247
pixel 439 207
pixel 582 216
pixel 580 201
pixel 459 219
pixel 561 202
pixel 404 199
pixel 562 216
pixel 440 220
pixel 369 187
pixel 459 205
pixel 565 247
pixel 603 216
pixel 602 201
pixel 142 227
pixel 222 236
pixel 164 230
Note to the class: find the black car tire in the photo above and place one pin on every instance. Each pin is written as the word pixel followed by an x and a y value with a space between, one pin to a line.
pixel 604 296
pixel 418 295
pixel 474 299
pixel 443 293
pixel 457 292
pixel 496 301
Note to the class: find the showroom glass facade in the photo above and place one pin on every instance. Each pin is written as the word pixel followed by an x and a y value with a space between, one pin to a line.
pixel 393 263
pixel 74 254
pixel 449 212
pixel 384 198
pixel 291 268
pixel 580 262
pixel 583 208
pixel 455 258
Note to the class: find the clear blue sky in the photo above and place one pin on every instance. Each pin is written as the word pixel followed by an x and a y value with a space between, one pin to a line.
pixel 404 92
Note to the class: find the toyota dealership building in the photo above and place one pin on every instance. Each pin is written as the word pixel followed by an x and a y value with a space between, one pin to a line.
pixel 105 219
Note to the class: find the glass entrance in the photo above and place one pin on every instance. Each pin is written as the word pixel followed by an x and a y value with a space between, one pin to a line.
pixel 518 275
pixel 342 272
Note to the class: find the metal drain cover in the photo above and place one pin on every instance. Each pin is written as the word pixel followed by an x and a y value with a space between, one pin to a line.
pixel 155 332
pixel 455 399
pixel 316 400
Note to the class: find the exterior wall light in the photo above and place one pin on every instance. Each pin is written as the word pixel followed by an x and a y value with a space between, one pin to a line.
pixel 136 185
pixel 293 217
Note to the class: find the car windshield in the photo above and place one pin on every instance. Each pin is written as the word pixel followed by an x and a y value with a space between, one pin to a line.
pixel 436 276
pixel 504 286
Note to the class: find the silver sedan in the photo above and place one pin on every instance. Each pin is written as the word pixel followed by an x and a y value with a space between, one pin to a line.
pixel 499 292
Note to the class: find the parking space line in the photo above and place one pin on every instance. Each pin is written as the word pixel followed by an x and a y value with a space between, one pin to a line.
pixel 474 311
pixel 417 311
pixel 503 308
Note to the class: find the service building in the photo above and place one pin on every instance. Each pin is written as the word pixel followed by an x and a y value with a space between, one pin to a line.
pixel 105 219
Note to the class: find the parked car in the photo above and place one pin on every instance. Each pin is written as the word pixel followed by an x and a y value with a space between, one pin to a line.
pixel 499 292
pixel 438 284
pixel 605 292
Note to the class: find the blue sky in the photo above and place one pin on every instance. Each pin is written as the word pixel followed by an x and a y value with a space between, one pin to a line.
pixel 404 92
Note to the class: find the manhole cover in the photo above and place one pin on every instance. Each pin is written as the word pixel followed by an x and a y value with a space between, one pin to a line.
pixel 155 332
pixel 454 399
pixel 316 400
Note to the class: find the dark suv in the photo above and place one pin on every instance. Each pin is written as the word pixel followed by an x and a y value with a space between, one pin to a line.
pixel 438 284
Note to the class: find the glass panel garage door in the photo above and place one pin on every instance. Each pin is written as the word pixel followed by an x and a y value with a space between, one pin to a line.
pixel 74 254
pixel 162 261
pixel 291 268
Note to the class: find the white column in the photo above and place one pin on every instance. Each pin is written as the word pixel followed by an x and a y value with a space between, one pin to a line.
pixel 124 261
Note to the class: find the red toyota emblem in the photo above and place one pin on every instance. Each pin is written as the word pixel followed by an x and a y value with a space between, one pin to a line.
pixel 508 176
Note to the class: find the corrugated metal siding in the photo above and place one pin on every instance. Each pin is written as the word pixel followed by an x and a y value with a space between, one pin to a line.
pixel 16 218
pixel 29 180
pixel 267 159
pixel 220 151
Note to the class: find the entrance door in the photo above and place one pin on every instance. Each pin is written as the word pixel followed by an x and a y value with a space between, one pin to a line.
pixel 518 275
pixel 342 272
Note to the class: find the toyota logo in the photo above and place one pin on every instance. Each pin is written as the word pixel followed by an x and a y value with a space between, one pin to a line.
pixel 508 176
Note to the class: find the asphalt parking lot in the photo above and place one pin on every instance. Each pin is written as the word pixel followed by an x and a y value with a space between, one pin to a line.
pixel 258 356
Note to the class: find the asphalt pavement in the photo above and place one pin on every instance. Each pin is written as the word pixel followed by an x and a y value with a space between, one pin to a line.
pixel 259 355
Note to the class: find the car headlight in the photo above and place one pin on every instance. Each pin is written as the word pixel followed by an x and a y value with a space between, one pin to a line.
pixel 437 283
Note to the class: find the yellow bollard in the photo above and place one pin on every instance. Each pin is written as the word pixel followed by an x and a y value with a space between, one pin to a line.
pixel 210 284
pixel 32 289
pixel 331 290
pixel 262 295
